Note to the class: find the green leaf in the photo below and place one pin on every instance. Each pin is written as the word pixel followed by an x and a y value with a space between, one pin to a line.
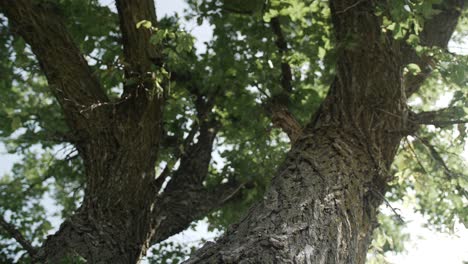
pixel 144 23
pixel 321 53
pixel 413 68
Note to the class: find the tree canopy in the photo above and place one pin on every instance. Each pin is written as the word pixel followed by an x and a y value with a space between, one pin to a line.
pixel 231 111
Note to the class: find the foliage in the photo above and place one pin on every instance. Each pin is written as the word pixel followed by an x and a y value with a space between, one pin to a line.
pixel 242 63
pixel 169 253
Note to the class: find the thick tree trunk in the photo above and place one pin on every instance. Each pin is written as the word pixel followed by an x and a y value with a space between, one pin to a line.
pixel 322 204
pixel 114 223
pixel 321 207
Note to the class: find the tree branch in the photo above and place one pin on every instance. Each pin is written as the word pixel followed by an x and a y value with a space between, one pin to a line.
pixel 439 118
pixel 449 174
pixel 286 75
pixel 180 208
pixel 145 85
pixel 437 31
pixel 185 199
pixel 278 105
pixel 195 158
pixel 16 234
pixel 179 150
pixel 139 53
pixel 205 123
pixel 67 72
pixel 281 117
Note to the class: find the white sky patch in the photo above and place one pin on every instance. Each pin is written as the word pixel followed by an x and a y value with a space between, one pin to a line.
pixel 427 246
pixel 459 47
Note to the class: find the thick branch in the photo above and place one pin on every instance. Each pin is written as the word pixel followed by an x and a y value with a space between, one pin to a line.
pixel 278 107
pixel 185 199
pixel 143 96
pixel 138 51
pixel 440 118
pixel 16 234
pixel 180 208
pixel 195 159
pixel 437 32
pixel 281 117
pixel 286 75
pixel 179 150
pixel 67 72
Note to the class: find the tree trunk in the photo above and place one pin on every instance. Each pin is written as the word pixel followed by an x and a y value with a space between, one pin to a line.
pixel 321 207
pixel 322 204
pixel 114 223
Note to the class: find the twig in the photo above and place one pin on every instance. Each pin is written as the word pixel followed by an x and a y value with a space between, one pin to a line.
pixel 415 155
pixel 229 196
pixel 437 157
pixel 349 7
pixel 387 203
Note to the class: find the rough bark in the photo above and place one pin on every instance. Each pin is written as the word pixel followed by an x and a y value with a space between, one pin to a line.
pixel 321 207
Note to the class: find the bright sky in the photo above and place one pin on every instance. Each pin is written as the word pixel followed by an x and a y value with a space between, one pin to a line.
pixel 425 246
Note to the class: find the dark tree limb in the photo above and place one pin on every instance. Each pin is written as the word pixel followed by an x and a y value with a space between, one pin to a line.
pixel 281 117
pixel 179 150
pixel 181 207
pixel 437 32
pixel 278 105
pixel 281 44
pixel 16 234
pixel 196 158
pixel 206 122
pixel 185 199
pixel 439 118
pixel 139 53
pixel 138 50
pixel 67 72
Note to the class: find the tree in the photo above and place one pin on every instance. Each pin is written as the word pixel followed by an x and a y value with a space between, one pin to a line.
pixel 143 113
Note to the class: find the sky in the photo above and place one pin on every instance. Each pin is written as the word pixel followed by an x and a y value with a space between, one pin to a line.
pixel 425 246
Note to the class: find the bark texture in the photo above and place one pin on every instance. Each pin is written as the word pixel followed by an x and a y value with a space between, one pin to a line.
pixel 321 207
